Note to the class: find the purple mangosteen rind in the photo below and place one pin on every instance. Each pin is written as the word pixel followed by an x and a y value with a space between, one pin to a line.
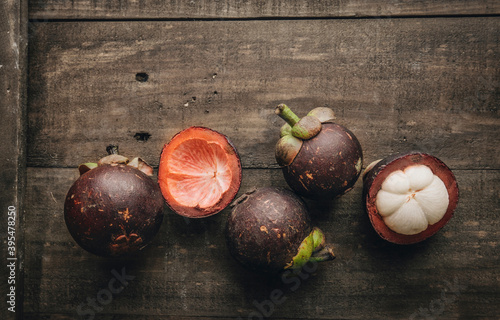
pixel 377 172
pixel 269 230
pixel 113 210
pixel 266 242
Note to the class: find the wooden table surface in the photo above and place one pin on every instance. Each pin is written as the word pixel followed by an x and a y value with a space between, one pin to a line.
pixel 401 75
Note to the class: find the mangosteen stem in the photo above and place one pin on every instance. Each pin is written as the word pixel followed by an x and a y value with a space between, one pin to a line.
pixel 321 250
pixel 285 113
pixel 313 248
pixel 325 254
pixel 112 149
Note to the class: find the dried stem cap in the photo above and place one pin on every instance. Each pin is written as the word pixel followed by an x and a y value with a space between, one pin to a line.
pixel 113 158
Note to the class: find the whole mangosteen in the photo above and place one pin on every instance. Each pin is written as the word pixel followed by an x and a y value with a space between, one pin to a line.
pixel 319 158
pixel 269 230
pixel 114 208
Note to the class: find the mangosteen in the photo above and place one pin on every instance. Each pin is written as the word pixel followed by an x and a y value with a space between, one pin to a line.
pixel 409 196
pixel 114 208
pixel 319 158
pixel 269 230
pixel 199 173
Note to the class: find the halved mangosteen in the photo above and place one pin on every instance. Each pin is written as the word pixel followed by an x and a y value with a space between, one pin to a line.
pixel 409 196
pixel 199 172
pixel 114 208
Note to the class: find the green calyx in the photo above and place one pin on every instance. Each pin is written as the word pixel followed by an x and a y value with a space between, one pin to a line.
pixel 323 114
pixel 295 130
pixel 312 248
pixel 285 130
pixel 307 128
pixel 84 167
pixel 287 149
pixel 304 128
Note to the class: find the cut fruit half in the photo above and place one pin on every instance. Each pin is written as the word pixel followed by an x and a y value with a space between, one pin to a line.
pixel 409 197
pixel 199 173
pixel 412 199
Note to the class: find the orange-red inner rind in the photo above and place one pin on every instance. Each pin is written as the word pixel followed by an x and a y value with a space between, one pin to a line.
pixel 200 172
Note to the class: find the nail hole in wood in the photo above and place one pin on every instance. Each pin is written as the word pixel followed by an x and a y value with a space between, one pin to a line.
pixel 142 77
pixel 142 136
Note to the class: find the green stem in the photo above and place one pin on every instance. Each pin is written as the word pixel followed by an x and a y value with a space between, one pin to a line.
pixel 287 114
pixel 313 248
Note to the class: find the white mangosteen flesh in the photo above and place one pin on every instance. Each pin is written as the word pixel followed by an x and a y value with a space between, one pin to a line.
pixel 410 200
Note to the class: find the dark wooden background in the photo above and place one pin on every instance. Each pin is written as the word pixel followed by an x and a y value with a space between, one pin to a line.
pixel 402 75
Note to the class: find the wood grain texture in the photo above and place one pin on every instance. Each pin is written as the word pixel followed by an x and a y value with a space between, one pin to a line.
pixel 13 85
pixel 424 76
pixel 398 84
pixel 158 9
pixel 187 272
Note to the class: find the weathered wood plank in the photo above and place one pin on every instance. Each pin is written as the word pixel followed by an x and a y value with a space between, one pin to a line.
pixel 398 84
pixel 13 62
pixel 187 271
pixel 158 9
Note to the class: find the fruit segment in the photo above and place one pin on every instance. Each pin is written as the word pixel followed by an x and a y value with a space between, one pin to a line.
pixel 411 200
